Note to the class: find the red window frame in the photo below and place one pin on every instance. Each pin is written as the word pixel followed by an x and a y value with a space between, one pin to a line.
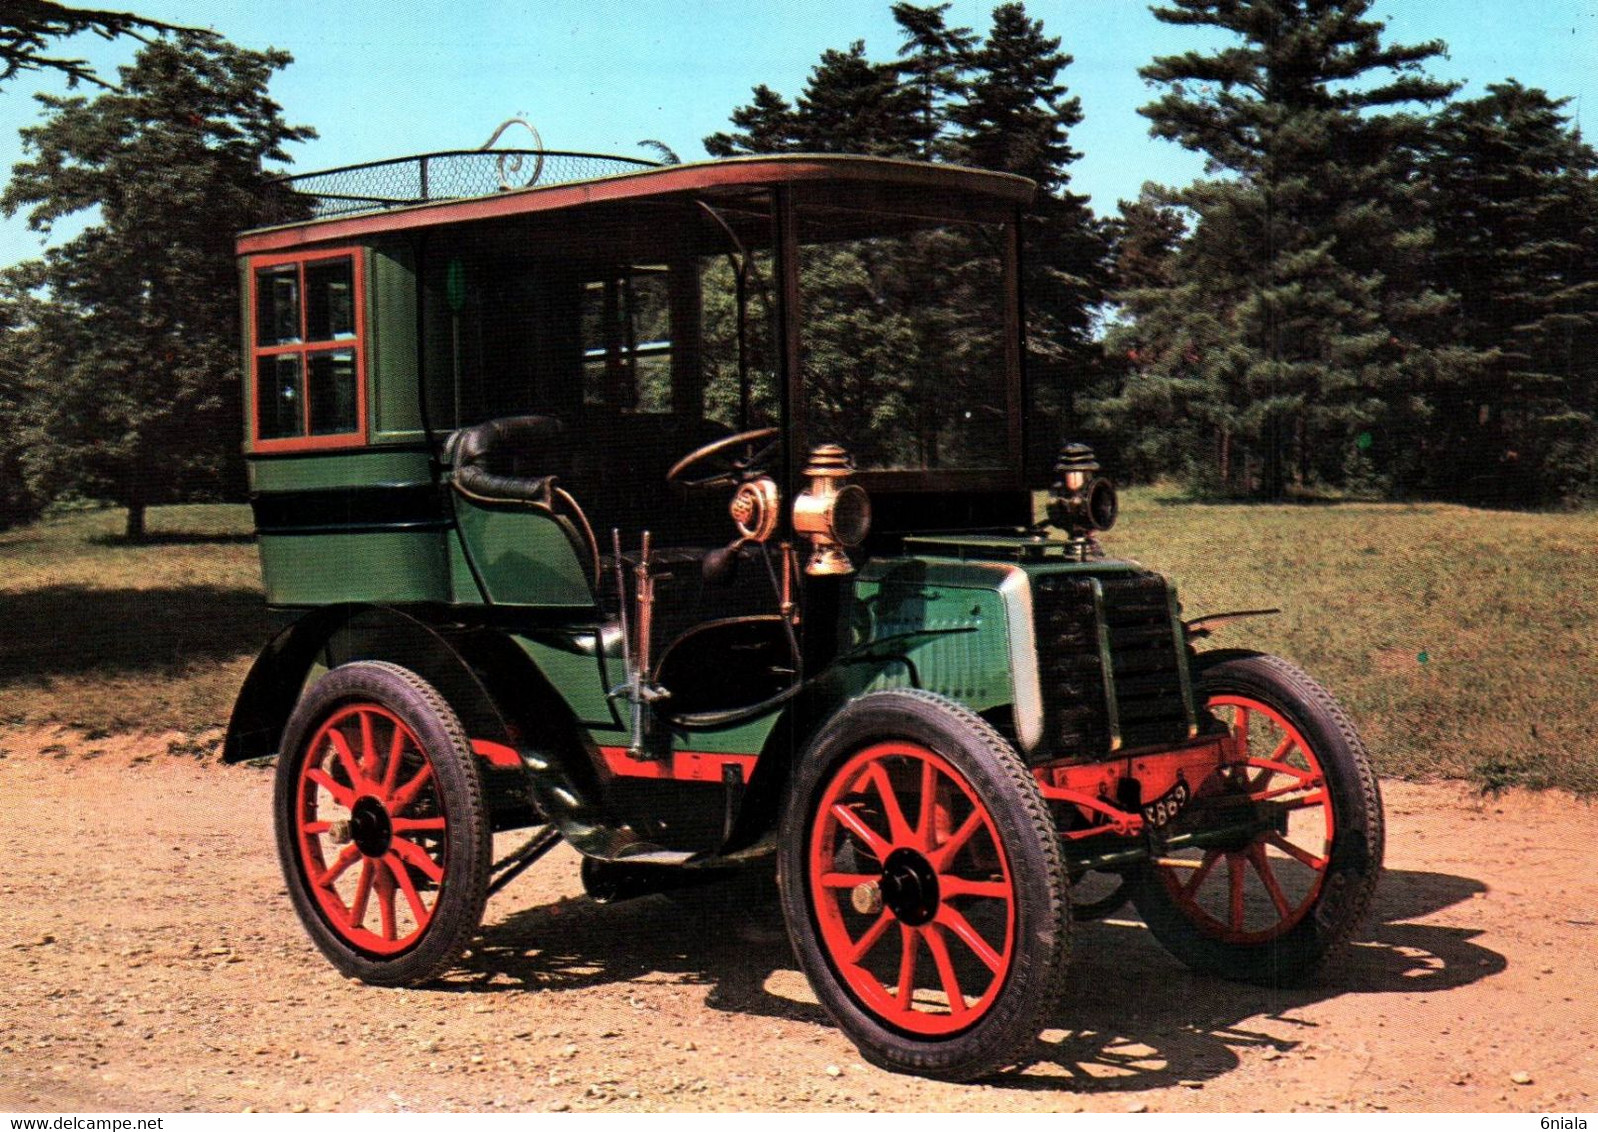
pixel 304 349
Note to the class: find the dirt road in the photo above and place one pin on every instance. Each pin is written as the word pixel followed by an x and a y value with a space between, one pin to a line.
pixel 150 961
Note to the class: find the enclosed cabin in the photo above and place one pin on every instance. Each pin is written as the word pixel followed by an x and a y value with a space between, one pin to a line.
pixel 614 317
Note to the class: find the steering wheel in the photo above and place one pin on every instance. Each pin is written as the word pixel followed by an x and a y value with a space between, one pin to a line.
pixel 732 471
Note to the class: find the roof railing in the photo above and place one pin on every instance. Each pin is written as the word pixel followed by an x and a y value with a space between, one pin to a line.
pixel 456 174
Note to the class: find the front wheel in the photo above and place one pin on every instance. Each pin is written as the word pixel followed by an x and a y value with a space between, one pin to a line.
pixel 381 826
pixel 1286 839
pixel 922 885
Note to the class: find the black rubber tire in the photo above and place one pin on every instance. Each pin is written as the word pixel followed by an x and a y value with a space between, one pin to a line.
pixel 1358 835
pixel 1032 985
pixel 468 842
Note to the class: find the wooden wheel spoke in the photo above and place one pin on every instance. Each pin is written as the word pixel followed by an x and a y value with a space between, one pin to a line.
pixel 856 825
pixel 941 855
pixel 927 819
pixel 950 886
pixel 1262 866
pixel 414 855
pixel 1203 870
pixel 368 760
pixel 873 935
pixel 898 828
pixel 1302 856
pixel 343 795
pixel 1234 876
pixel 341 747
pixel 945 965
pixel 391 768
pixel 1275 767
pixel 412 897
pixel 1290 788
pixel 847 880
pixel 406 794
pixel 904 993
pixel 417 825
pixel 968 935
pixel 384 886
pixel 363 891
pixel 314 828
pixel 347 857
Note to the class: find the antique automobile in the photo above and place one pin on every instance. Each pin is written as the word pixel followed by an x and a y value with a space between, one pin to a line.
pixel 682 513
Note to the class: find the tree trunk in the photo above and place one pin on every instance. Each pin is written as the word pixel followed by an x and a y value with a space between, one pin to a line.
pixel 1301 440
pixel 135 530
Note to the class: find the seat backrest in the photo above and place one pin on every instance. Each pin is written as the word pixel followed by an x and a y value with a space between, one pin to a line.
pixel 509 458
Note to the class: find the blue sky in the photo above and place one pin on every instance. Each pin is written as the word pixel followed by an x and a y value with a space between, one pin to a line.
pixel 381 78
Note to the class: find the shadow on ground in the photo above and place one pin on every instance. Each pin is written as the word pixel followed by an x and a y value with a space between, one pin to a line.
pixel 1133 1018
pixel 71 630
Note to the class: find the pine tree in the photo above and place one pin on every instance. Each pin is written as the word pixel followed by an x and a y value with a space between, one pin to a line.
pixel 28 26
pixel 766 125
pixel 1157 419
pixel 1313 320
pixel 1517 238
pixel 849 105
pixel 1017 118
pixel 998 105
pixel 852 105
pixel 145 408
pixel 933 63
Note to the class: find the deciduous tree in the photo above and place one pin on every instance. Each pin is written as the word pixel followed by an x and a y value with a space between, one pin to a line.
pixel 145 409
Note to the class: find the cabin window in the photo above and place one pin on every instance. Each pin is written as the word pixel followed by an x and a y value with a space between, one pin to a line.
pixel 307 352
pixel 903 333
pixel 627 341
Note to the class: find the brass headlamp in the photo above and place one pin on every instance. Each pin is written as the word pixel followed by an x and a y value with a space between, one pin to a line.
pixel 1081 501
pixel 832 514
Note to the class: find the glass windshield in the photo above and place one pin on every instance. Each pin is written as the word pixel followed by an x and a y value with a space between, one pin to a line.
pixel 902 340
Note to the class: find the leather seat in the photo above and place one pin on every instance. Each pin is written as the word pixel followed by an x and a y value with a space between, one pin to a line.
pixel 508 459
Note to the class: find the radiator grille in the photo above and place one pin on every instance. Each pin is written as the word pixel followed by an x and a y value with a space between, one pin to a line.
pixel 1111 664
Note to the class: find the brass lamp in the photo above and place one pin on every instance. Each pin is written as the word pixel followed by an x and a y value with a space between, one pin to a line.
pixel 1081 501
pixel 832 514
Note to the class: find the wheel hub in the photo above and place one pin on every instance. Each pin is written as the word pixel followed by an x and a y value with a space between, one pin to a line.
pixel 370 827
pixel 909 887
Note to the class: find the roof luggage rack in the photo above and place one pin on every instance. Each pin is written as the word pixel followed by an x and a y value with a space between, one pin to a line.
pixel 400 182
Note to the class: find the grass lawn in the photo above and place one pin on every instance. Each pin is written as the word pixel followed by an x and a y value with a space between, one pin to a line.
pixel 107 637
pixel 1465 643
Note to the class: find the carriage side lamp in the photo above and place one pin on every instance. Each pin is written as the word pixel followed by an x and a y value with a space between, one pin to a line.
pixel 833 515
pixel 1081 501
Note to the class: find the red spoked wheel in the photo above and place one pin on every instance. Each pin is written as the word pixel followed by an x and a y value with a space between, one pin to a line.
pixel 1261 887
pixel 381 824
pixel 1284 841
pixel 372 826
pixel 923 888
pixel 914 899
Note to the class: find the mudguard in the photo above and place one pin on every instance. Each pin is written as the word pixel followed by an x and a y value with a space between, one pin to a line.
pixel 497 691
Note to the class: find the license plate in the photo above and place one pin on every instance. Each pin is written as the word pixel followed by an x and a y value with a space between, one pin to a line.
pixel 1159 812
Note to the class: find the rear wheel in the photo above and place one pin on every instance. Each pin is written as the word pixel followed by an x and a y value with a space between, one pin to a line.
pixel 382 831
pixel 1270 901
pixel 922 886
